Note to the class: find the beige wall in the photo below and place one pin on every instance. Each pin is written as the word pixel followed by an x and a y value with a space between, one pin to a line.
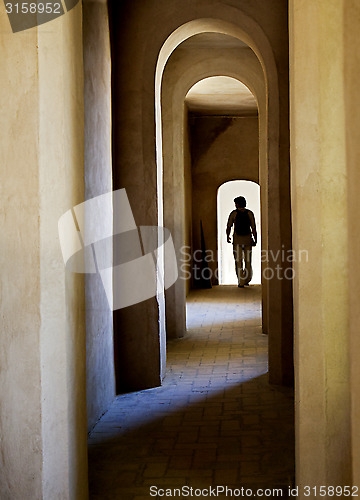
pixel 188 187
pixel 320 211
pixel 21 443
pixel 351 34
pixel 62 303
pixel 42 381
pixel 100 377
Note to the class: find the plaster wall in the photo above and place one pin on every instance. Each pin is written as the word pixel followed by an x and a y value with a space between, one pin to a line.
pixel 188 189
pixel 20 376
pixel 351 33
pixel 136 328
pixel 42 382
pixel 62 308
pixel 320 225
pixel 178 219
pixel 223 149
pixel 100 377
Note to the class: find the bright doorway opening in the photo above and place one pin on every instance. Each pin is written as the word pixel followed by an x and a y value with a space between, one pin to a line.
pixel 225 204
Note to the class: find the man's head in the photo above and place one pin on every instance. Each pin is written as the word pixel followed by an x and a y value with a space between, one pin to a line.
pixel 240 202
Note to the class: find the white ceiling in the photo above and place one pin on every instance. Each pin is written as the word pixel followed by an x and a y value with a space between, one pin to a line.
pixel 213 41
pixel 221 95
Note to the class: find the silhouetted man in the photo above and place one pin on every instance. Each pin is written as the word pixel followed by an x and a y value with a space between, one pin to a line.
pixel 244 238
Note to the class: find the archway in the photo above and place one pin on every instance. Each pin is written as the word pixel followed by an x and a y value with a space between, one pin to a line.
pixel 171 149
pixel 226 193
pixel 139 159
pixel 184 70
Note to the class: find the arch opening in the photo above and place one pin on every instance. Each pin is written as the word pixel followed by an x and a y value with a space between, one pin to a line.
pixel 255 67
pixel 175 108
pixel 225 204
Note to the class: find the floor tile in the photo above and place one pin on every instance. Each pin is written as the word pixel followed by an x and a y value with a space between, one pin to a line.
pixel 215 421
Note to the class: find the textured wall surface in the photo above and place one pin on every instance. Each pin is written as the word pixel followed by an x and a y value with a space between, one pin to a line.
pixel 352 137
pixel 319 186
pixel 100 378
pixel 62 342
pixel 42 380
pixel 20 425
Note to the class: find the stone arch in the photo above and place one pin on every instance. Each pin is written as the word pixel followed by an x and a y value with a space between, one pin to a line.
pixel 138 163
pixel 253 36
pixel 269 164
pixel 175 88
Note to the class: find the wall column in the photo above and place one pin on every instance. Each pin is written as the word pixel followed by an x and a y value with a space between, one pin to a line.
pixel 352 130
pixel 100 377
pixel 319 204
pixel 43 451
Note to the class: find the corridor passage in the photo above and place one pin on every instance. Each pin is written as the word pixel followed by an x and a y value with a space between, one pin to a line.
pixel 215 420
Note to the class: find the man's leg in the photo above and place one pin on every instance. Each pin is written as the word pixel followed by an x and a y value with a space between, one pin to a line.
pixel 237 252
pixel 248 268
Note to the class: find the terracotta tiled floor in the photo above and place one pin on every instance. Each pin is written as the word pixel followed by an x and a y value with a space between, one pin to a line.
pixel 215 420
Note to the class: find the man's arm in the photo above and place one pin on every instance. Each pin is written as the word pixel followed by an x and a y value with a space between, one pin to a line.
pixel 253 227
pixel 230 223
pixel 228 230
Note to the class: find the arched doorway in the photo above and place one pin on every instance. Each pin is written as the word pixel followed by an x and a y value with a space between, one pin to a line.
pixel 172 131
pixel 225 204
pixel 139 160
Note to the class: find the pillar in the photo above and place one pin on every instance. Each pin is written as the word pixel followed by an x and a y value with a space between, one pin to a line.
pixel 320 226
pixel 42 352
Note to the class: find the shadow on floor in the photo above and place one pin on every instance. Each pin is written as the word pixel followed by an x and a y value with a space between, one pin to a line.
pixel 215 421
pixel 242 436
